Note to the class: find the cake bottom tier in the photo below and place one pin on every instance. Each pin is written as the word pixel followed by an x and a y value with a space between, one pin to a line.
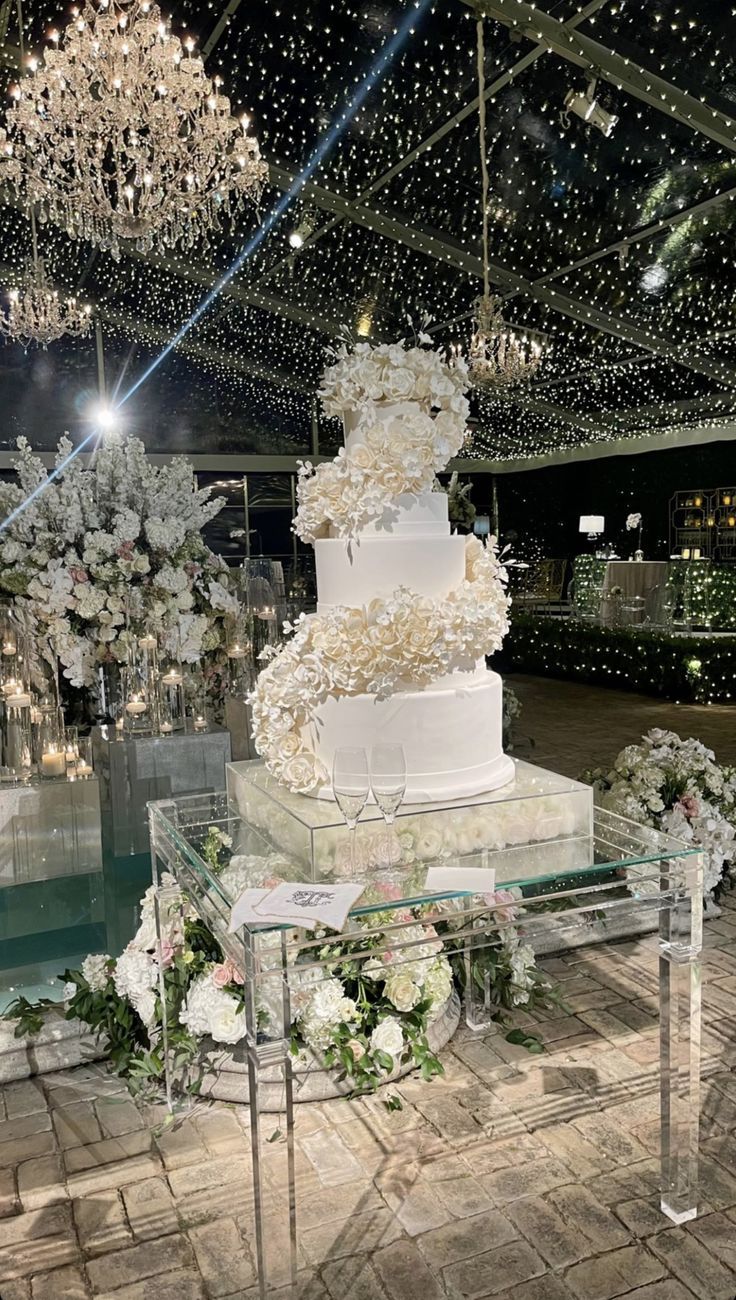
pixel 452 736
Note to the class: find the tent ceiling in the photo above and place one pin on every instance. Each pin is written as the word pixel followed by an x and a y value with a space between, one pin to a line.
pixel 621 248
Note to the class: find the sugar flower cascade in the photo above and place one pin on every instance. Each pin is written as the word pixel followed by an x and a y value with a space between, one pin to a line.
pixel 405 411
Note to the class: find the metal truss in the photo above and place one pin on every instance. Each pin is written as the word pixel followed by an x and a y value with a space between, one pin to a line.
pixel 564 40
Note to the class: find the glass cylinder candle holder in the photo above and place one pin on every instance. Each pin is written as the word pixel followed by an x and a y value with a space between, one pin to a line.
pixel 84 768
pixel 16 738
pixel 53 762
pixel 239 646
pixel 171 697
pixel 47 730
pixel 71 749
pixel 139 712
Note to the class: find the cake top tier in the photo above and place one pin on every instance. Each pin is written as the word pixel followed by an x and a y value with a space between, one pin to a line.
pixel 405 416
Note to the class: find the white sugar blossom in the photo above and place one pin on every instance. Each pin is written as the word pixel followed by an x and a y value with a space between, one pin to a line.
pixel 374 650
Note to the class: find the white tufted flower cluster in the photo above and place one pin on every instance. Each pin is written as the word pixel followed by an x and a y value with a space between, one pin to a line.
pixel 404 641
pixel 211 1009
pixel 676 786
pixel 392 451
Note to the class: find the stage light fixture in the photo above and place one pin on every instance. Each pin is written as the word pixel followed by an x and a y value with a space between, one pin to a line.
pixel 585 105
pixel 300 234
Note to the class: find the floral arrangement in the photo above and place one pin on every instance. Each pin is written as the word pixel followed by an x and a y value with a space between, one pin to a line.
pixel 389 453
pixel 364 1010
pixel 633 521
pixel 111 547
pixel 403 640
pixel 676 786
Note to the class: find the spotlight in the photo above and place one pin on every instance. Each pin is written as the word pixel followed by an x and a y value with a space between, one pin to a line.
pixel 300 234
pixel 586 106
pixel 104 417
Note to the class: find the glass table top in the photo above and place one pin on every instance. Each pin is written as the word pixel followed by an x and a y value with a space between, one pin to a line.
pixel 185 830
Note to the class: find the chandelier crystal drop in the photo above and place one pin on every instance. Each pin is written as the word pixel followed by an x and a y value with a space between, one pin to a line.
pixel 118 136
pixel 37 313
pixel 500 355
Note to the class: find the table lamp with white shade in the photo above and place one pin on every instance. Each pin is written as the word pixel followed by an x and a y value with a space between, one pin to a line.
pixel 593 525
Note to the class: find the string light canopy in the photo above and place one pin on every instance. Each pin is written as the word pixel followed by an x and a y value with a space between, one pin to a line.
pixel 36 312
pixel 499 356
pixel 117 135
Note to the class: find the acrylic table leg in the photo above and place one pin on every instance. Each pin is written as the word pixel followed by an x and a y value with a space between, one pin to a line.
pixel 273 1055
pixel 679 985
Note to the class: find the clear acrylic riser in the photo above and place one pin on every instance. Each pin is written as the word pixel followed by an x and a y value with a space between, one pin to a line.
pixel 537 807
pixel 51 891
pixel 627 866
pixel 133 770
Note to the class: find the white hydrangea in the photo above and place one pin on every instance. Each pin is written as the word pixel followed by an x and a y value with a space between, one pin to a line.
pixel 95 971
pixel 135 977
pixel 326 1009
pixel 212 1011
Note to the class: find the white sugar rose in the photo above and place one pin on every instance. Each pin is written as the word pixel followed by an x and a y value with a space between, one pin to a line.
pixel 388 1037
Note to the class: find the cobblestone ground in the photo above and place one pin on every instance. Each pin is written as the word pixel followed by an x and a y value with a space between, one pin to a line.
pixel 523 1178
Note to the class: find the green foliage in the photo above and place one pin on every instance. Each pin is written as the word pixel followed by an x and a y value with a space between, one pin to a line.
pixel 636 659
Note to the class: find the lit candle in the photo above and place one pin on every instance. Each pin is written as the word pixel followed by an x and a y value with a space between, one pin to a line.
pixel 236 651
pixel 84 769
pixel 147 642
pixel 686 552
pixel 53 763
pixel 696 553
pixel 11 687
pixel 172 678
pixel 135 705
pixel 166 728
pixel 200 723
pixel 8 647
pixel 18 701
pixel 119 724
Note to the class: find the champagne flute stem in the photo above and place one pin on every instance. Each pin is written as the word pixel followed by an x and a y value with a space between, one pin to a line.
pixel 353 830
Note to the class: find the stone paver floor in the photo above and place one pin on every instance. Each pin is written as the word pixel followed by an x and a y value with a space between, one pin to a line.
pixel 524 1178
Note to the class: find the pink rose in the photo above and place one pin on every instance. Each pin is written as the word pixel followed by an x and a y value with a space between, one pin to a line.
pixel 79 575
pixel 689 806
pixel 165 954
pixel 125 550
pixel 388 890
pixel 221 975
pixel 504 915
pixel 226 973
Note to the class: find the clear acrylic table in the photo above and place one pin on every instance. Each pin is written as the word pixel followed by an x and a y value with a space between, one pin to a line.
pixel 628 866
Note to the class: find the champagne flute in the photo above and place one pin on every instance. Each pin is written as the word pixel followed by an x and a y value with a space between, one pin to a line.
pixel 388 779
pixel 350 786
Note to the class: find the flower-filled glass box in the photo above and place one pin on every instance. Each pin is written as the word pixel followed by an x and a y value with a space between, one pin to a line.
pixel 536 808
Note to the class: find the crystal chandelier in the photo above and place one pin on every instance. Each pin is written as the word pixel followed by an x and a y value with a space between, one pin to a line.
pixel 36 313
pixel 117 135
pixel 499 355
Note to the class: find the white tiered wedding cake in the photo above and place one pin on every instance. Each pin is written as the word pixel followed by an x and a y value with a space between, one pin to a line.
pixel 406 611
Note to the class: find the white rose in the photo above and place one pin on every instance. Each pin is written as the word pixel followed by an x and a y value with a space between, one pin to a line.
pixel 228 1022
pixel 388 1037
pixel 402 991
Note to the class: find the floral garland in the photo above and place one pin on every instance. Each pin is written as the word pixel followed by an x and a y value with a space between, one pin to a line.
pixel 390 453
pixel 401 642
pixel 364 1012
pixel 113 546
pixel 676 786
